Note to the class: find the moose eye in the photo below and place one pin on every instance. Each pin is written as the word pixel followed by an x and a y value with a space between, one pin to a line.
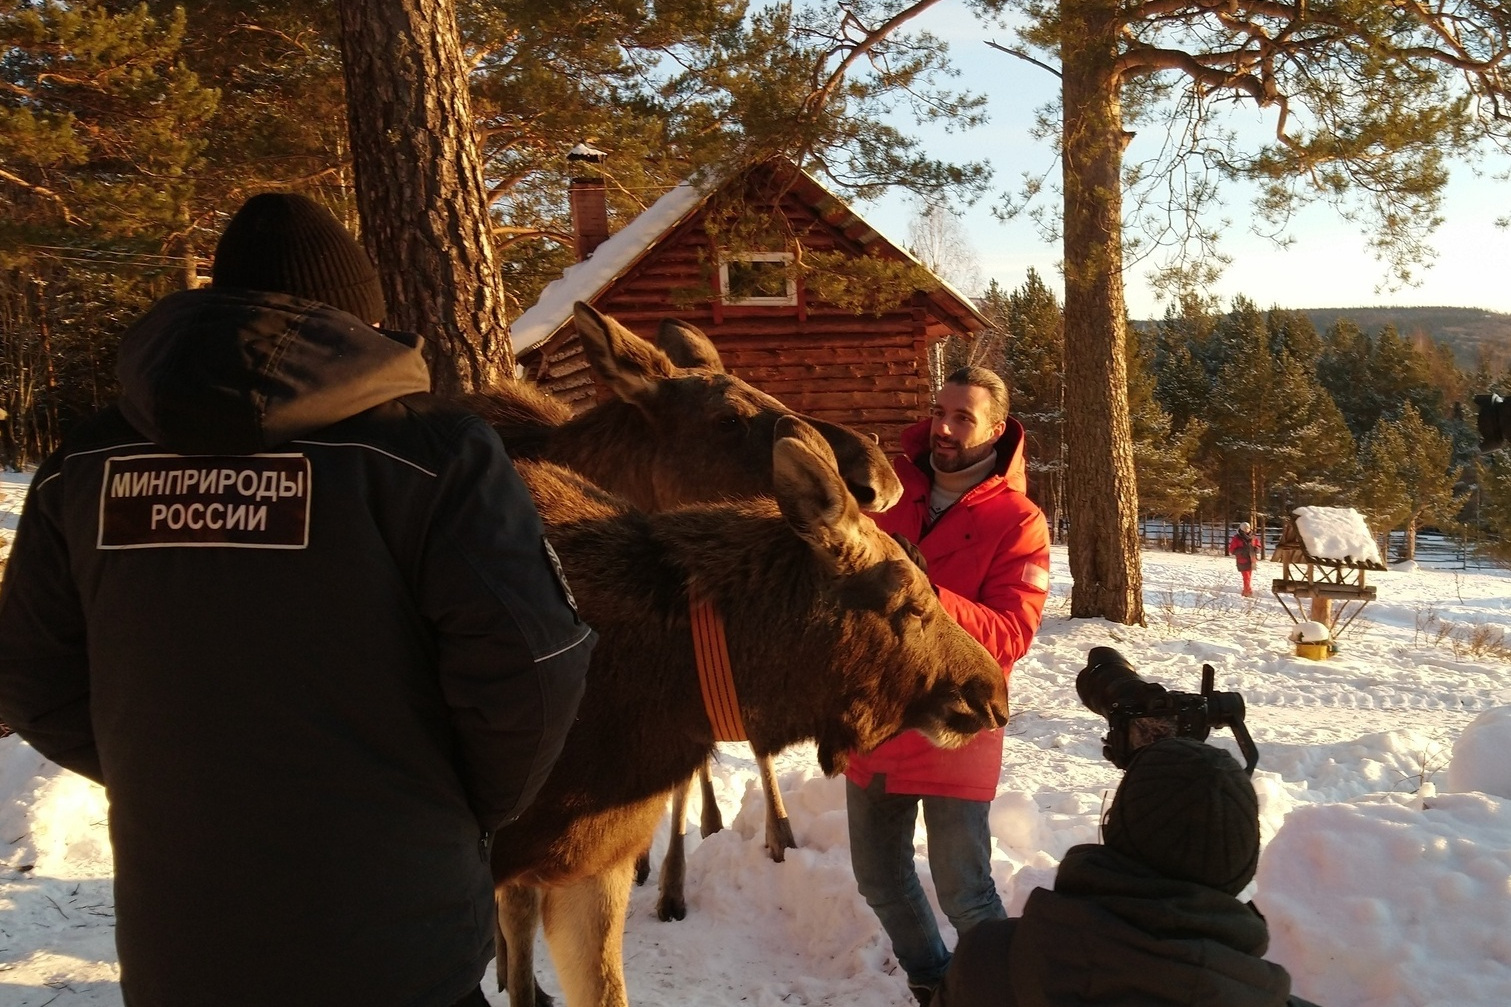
pixel 910 612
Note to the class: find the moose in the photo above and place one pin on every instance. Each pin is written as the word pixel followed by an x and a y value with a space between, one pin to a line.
pixel 679 430
pixel 832 634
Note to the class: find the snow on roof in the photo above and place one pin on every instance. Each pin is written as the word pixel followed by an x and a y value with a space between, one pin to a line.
pixel 584 280
pixel 1338 534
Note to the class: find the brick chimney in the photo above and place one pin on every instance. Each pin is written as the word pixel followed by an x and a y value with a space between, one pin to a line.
pixel 590 214
pixel 589 202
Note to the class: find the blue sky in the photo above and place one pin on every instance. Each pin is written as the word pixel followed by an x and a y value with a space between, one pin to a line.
pixel 1327 265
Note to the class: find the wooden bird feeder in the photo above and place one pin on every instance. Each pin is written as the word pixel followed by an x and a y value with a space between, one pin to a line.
pixel 1332 587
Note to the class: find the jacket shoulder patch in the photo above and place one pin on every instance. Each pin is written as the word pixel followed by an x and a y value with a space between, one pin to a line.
pixel 1034 575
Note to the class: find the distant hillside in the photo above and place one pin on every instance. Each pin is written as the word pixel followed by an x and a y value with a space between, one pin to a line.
pixel 1465 330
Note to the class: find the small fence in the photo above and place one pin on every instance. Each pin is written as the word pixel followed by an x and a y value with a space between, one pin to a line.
pixel 1434 551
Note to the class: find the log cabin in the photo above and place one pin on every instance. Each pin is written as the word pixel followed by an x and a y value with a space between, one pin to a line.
pixel 754 296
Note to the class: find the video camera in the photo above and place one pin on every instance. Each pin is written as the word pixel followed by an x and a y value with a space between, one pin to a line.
pixel 1140 712
pixel 1494 421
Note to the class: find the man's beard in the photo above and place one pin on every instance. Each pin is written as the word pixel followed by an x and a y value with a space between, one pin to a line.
pixel 964 458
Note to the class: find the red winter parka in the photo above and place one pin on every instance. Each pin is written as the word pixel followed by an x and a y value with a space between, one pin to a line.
pixel 988 556
pixel 1243 547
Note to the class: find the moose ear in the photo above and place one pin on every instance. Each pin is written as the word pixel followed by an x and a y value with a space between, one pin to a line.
pixel 627 364
pixel 688 346
pixel 813 497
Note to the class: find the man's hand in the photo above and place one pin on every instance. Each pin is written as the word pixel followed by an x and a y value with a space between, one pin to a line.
pixel 912 552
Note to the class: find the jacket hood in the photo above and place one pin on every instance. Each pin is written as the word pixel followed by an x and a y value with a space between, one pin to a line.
pixel 1010 466
pixel 225 371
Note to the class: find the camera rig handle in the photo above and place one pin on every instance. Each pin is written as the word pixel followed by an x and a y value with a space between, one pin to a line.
pixel 1226 709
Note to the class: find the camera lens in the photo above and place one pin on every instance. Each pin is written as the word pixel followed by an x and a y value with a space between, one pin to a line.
pixel 1108 681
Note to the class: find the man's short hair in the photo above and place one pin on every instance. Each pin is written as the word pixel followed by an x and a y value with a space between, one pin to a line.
pixel 995 387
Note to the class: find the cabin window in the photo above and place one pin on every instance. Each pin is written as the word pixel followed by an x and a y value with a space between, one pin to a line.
pixel 758 278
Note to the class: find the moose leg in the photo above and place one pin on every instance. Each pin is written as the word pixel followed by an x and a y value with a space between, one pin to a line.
pixel 518 916
pixel 643 866
pixel 672 901
pixel 585 930
pixel 711 821
pixel 779 837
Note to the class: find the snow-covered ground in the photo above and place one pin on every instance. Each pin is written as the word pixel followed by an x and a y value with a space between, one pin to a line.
pixel 1386 874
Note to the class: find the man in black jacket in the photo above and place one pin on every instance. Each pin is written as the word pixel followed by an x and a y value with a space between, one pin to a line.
pixel 301 620
pixel 1148 918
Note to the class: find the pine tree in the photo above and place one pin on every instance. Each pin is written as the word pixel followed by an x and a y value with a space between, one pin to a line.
pixel 1182 383
pixel 1325 465
pixel 1275 433
pixel 1493 476
pixel 1344 370
pixel 1329 468
pixel 1398 373
pixel 1293 332
pixel 99 151
pixel 1380 495
pixel 1170 486
pixel 97 123
pixel 1241 410
pixel 1237 335
pixel 281 119
pixel 1033 366
pixel 1409 476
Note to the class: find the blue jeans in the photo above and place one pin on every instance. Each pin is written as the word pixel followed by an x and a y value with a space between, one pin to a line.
pixel 881 853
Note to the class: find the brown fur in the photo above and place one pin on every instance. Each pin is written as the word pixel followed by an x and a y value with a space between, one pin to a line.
pixel 834 636
pixel 680 430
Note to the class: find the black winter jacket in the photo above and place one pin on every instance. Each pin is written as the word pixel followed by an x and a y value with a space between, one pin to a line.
pixel 300 619
pixel 1115 933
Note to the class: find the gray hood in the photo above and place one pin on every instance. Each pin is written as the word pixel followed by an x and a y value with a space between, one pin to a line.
pixel 224 371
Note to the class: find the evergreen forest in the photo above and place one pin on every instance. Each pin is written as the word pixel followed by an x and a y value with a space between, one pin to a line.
pixel 129 131
pixel 1245 413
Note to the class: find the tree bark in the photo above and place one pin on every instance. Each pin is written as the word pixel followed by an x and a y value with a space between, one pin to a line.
pixel 1102 492
pixel 420 188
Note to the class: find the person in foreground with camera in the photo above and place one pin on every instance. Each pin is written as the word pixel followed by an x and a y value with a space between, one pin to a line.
pixel 1149 917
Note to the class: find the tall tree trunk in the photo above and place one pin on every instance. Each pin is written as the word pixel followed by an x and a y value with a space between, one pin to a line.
pixel 420 185
pixel 1103 494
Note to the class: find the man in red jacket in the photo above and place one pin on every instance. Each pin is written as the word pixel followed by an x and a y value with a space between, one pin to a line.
pixel 985 547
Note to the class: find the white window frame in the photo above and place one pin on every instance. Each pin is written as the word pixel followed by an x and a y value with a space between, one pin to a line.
pixel 787 300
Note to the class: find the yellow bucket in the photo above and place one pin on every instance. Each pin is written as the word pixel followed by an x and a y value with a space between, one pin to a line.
pixel 1313 651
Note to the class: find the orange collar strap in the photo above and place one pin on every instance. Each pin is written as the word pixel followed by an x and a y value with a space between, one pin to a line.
pixel 715 676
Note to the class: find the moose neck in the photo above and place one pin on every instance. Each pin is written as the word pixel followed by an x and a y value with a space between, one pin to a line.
pixel 631 575
pixel 611 444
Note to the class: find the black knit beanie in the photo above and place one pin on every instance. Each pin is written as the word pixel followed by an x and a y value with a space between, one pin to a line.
pixel 289 244
pixel 1189 811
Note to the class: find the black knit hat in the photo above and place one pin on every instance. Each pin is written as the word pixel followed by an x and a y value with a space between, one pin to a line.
pixel 289 244
pixel 1189 811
